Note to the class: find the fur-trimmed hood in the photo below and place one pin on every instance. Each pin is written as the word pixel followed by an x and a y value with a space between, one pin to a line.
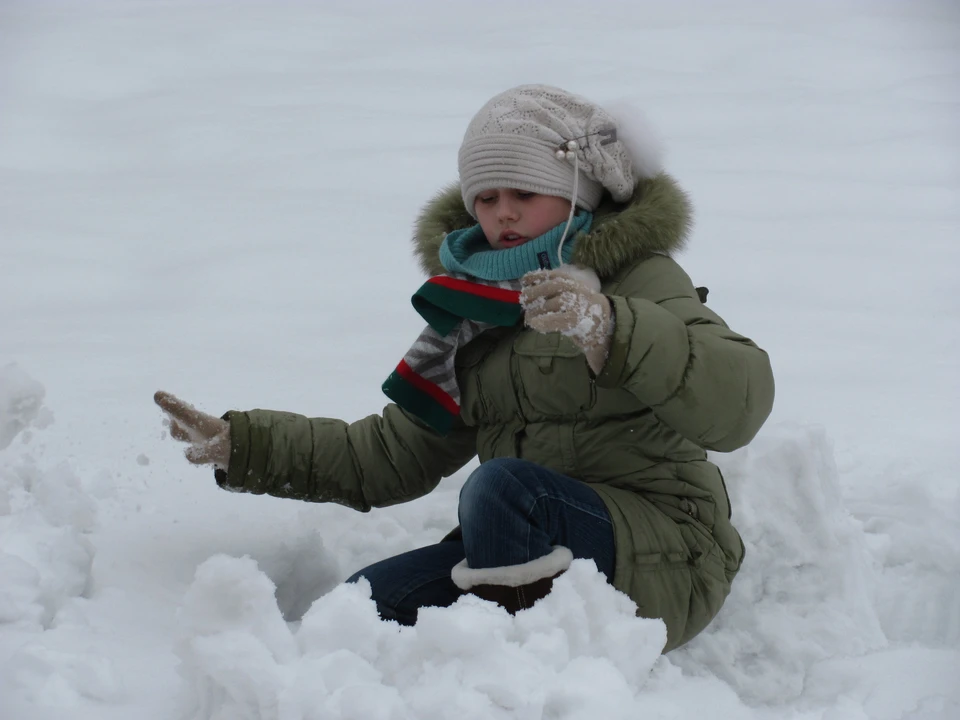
pixel 656 220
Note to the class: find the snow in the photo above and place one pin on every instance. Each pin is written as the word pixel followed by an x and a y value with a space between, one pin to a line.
pixel 215 199
pixel 475 661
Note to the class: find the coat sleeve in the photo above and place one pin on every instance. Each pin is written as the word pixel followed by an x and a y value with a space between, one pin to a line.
pixel 377 461
pixel 680 359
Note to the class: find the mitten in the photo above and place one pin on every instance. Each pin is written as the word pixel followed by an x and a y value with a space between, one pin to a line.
pixel 568 301
pixel 208 436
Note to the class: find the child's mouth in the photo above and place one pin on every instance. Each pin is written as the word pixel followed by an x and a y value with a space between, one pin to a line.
pixel 511 239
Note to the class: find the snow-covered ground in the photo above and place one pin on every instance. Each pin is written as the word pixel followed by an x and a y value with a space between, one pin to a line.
pixel 216 198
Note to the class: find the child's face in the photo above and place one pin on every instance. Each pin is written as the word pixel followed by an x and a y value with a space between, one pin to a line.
pixel 512 217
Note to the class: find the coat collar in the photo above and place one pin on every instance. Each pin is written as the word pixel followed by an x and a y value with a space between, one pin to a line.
pixel 656 220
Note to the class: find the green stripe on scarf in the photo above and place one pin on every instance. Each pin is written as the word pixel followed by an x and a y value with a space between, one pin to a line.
pixel 414 394
pixel 444 307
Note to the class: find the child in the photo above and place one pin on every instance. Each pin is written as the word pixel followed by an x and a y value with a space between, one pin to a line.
pixel 564 347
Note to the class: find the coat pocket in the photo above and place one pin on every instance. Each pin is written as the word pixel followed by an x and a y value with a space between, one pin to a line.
pixel 552 374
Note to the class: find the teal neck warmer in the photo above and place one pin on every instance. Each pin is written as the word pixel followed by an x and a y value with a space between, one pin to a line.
pixel 467 252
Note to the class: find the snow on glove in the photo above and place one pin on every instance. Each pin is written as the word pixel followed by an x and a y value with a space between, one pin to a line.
pixel 568 301
pixel 208 436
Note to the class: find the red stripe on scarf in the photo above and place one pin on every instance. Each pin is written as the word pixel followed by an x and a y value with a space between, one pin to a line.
pixel 492 293
pixel 425 386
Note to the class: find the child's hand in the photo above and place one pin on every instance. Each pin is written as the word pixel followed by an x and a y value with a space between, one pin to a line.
pixel 569 301
pixel 208 436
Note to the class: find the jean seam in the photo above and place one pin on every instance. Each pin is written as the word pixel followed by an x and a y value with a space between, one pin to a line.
pixel 605 518
pixel 542 493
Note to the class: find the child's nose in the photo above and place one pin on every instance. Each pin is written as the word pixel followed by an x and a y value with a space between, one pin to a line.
pixel 507 209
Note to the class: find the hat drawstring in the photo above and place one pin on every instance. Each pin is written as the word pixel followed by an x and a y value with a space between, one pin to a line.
pixel 568 151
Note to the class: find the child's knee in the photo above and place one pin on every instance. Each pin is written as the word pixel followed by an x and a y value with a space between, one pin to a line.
pixel 501 481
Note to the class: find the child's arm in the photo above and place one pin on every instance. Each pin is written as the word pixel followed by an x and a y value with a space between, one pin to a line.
pixel 380 460
pixel 679 358
pixel 377 461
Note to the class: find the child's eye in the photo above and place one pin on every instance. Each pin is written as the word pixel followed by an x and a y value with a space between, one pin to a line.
pixel 487 200
pixel 524 195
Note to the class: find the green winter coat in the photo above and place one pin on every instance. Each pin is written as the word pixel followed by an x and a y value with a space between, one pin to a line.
pixel 677 382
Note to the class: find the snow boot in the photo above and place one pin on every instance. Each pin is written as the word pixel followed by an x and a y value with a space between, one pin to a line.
pixel 514 587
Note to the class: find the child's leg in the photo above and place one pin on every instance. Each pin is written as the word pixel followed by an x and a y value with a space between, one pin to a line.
pixel 402 584
pixel 522 524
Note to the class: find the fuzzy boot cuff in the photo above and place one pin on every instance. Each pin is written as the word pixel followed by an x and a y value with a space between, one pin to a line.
pixel 465 577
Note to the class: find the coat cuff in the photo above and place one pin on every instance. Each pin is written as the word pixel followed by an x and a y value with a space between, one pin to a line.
pixel 612 374
pixel 466 577
pixel 237 472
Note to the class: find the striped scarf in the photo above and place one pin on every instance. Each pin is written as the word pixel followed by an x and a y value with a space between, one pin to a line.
pixel 457 309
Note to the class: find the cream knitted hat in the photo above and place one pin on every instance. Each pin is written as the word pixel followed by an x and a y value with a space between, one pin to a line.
pixel 521 139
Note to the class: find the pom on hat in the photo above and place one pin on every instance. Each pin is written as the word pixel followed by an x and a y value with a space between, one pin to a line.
pixel 639 138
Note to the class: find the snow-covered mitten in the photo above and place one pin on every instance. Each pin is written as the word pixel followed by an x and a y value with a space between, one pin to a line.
pixel 208 436
pixel 568 301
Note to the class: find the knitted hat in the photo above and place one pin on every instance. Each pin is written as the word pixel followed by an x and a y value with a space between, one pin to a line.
pixel 520 139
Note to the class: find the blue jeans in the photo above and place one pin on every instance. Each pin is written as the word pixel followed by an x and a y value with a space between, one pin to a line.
pixel 511 512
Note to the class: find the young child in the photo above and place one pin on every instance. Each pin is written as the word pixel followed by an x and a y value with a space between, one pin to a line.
pixel 564 347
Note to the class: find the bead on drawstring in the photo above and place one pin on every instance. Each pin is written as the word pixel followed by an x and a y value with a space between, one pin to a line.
pixel 567 150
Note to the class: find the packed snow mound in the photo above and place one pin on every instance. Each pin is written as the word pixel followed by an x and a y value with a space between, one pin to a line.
pixel 53 677
pixel 46 557
pixel 21 403
pixel 917 599
pixel 580 652
pixel 806 590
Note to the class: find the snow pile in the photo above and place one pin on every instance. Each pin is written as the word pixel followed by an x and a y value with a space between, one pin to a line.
pixel 806 590
pixel 917 601
pixel 44 557
pixel 906 683
pixel 300 566
pixel 21 404
pixel 581 652
pixel 50 676
pixel 45 554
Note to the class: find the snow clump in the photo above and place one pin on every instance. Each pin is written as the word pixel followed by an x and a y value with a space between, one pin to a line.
pixel 580 652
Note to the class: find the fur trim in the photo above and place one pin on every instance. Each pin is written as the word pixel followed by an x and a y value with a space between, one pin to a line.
pixel 656 220
pixel 465 577
pixel 443 214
